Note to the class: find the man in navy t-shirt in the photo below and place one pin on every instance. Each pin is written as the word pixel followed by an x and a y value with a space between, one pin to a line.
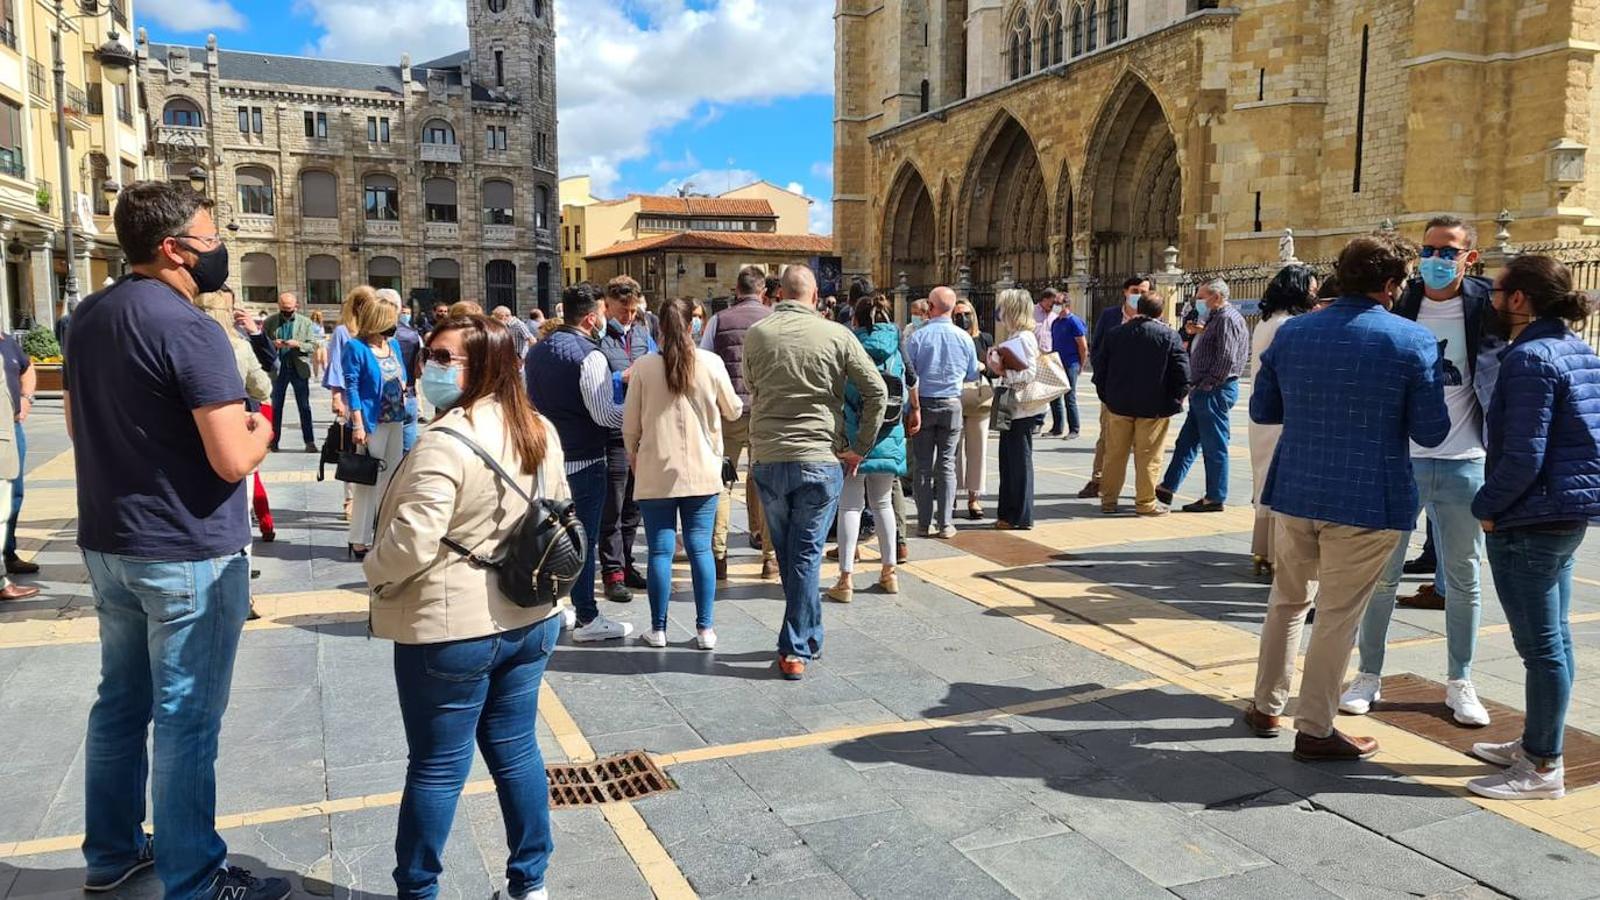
pixel 163 443
pixel 1069 336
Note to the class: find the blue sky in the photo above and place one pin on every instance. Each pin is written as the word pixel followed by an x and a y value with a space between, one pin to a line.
pixel 653 93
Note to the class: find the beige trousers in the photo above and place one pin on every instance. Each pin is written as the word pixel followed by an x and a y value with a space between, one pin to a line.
pixel 1347 561
pixel 735 441
pixel 1100 446
pixel 1146 439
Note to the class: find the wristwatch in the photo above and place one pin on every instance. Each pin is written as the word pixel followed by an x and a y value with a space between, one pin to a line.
pixel 28 397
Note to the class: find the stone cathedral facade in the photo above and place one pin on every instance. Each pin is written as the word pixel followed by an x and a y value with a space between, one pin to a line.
pixel 1084 137
pixel 437 179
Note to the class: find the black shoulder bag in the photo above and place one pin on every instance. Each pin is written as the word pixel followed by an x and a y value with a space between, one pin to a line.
pixel 540 560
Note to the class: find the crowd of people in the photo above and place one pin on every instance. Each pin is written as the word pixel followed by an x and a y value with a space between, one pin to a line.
pixel 1374 395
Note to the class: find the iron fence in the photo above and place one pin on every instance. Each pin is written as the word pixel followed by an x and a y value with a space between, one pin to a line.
pixel 1582 259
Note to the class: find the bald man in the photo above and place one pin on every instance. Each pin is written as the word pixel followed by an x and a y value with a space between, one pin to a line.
pixel 796 365
pixel 943 358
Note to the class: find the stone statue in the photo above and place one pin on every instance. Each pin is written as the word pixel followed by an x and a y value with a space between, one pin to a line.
pixel 1286 246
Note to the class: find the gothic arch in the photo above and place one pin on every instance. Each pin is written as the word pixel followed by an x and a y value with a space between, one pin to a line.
pixel 910 227
pixel 1131 193
pixel 1006 204
pixel 1065 218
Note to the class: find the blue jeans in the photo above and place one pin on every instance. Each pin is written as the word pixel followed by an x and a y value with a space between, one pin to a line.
pixel 169 632
pixel 589 496
pixel 1447 487
pixel 481 692
pixel 799 499
pixel 408 438
pixel 289 376
pixel 699 515
pixel 1073 422
pixel 16 491
pixel 1205 432
pixel 1533 576
pixel 1058 414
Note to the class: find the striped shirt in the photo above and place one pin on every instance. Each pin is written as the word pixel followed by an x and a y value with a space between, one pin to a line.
pixel 1220 352
pixel 594 381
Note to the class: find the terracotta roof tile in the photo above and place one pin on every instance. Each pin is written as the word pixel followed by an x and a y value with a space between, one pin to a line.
pixel 702 206
pixel 806 244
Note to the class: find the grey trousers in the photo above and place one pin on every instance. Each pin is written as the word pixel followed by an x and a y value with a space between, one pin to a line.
pixel 935 448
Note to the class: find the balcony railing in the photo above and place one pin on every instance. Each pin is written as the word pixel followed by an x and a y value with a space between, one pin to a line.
pixel 36 80
pixel 318 226
pixel 182 136
pixel 444 153
pixel 77 102
pixel 443 231
pixel 11 163
pixel 8 33
pixel 124 114
pixel 499 234
pixel 257 225
pixel 377 229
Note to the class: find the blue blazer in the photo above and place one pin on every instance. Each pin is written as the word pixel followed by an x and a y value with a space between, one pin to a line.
pixel 363 380
pixel 1351 385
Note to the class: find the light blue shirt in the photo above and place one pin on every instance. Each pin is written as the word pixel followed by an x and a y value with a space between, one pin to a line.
pixel 944 359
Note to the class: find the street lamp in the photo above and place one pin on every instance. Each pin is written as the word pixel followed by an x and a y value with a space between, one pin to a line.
pixel 116 64
pixel 197 180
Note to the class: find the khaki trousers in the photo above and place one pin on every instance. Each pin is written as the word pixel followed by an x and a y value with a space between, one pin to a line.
pixel 1348 562
pixel 1100 446
pixel 1146 438
pixel 735 441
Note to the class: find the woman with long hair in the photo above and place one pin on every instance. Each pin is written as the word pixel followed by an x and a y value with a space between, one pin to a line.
pixel 1016 363
pixel 1539 494
pixel 467 661
pixel 319 356
pixel 1293 291
pixel 375 383
pixel 874 480
pixel 977 399
pixel 672 430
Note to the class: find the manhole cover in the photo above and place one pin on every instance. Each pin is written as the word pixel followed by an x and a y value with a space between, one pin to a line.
pixel 615 779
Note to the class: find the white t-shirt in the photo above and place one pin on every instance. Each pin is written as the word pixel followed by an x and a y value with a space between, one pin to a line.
pixel 1447 320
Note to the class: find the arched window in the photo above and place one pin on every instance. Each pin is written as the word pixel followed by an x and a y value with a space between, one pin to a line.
pixel 319 194
pixel 541 208
pixel 500 280
pixel 438 131
pixel 322 279
pixel 444 278
pixel 259 274
pixel 1050 35
pixel 255 191
pixel 925 94
pixel 384 272
pixel 499 203
pixel 1113 21
pixel 1021 48
pixel 1124 33
pixel 382 200
pixel 1091 40
pixel 439 199
pixel 183 112
pixel 542 287
pixel 1077 29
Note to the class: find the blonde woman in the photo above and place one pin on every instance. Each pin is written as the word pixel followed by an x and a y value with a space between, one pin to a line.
pixel 977 399
pixel 375 384
pixel 1016 363
pixel 319 356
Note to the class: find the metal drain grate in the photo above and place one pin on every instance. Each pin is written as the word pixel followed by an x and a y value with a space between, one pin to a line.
pixel 615 779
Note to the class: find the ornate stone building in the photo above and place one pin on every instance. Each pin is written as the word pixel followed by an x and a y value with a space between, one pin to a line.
pixel 436 179
pixel 1083 137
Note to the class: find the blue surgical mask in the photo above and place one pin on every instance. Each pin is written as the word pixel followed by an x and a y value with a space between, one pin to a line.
pixel 1202 312
pixel 405 319
pixel 441 385
pixel 1133 300
pixel 696 326
pixel 918 320
pixel 1438 273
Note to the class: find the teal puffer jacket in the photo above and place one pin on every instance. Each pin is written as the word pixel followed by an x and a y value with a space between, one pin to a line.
pixel 888 456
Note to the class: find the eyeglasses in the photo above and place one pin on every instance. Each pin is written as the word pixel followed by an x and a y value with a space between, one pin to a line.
pixel 442 357
pixel 206 240
pixel 1448 254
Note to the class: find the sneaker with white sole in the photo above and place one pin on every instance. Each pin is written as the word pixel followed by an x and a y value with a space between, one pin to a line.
pixel 1499 754
pixel 948 532
pixel 1523 781
pixel 601 629
pixel 569 618
pixel 1462 698
pixel 1361 694
pixel 505 894
pixel 655 638
pixel 707 639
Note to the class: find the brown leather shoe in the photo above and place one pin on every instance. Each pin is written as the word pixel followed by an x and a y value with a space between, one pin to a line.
pixel 1425 598
pixel 902 553
pixel 722 568
pixel 1337 747
pixel 18 592
pixel 792 668
pixel 1092 489
pixel 1261 724
pixel 769 569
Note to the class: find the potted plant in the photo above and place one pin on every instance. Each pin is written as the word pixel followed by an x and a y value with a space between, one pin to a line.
pixel 42 196
pixel 45 351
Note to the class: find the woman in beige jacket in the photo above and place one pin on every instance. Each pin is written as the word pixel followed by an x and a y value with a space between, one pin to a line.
pixel 672 428
pixel 467 661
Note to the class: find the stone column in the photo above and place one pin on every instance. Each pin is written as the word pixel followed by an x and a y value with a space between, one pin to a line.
pixel 902 298
pixel 1169 283
pixel 43 276
pixel 86 285
pixel 964 283
pixel 6 325
pixel 1007 282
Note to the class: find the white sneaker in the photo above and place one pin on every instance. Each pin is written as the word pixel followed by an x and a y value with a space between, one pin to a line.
pixel 947 532
pixel 1499 754
pixel 655 638
pixel 1362 693
pixel 505 894
pixel 1462 697
pixel 569 618
pixel 601 629
pixel 1523 781
pixel 707 639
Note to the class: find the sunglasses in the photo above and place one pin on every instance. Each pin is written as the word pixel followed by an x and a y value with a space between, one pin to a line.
pixel 442 357
pixel 1448 254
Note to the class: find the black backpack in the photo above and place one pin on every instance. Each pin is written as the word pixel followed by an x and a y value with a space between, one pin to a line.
pixel 892 413
pixel 541 558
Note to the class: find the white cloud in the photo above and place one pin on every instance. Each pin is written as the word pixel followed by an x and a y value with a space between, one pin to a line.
pixel 193 15
pixel 822 170
pixel 710 181
pixel 380 30
pixel 821 216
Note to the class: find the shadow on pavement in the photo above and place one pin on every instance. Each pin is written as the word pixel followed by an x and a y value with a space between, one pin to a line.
pixel 57 877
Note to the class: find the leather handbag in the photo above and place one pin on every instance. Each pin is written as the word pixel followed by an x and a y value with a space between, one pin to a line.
pixel 540 560
pixel 337 443
pixel 1003 410
pixel 358 467
pixel 1049 383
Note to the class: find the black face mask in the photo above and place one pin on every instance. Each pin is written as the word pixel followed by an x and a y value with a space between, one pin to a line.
pixel 390 333
pixel 963 322
pixel 210 269
pixel 288 316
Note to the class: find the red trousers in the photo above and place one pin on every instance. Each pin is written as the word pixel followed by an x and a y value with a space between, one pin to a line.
pixel 262 507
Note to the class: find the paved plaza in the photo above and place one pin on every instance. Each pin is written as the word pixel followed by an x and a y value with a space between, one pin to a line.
pixel 1049 714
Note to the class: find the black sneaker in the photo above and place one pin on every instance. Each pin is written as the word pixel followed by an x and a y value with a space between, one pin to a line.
pixel 1203 506
pixel 1422 565
pixel 16 565
pixel 1163 496
pixel 234 883
pixel 617 592
pixel 147 858
pixel 633 579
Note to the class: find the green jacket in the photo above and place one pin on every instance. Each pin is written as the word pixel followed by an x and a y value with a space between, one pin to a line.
pixel 796 364
pixel 302 330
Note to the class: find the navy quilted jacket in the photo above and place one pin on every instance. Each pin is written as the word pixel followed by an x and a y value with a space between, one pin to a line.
pixel 1544 432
